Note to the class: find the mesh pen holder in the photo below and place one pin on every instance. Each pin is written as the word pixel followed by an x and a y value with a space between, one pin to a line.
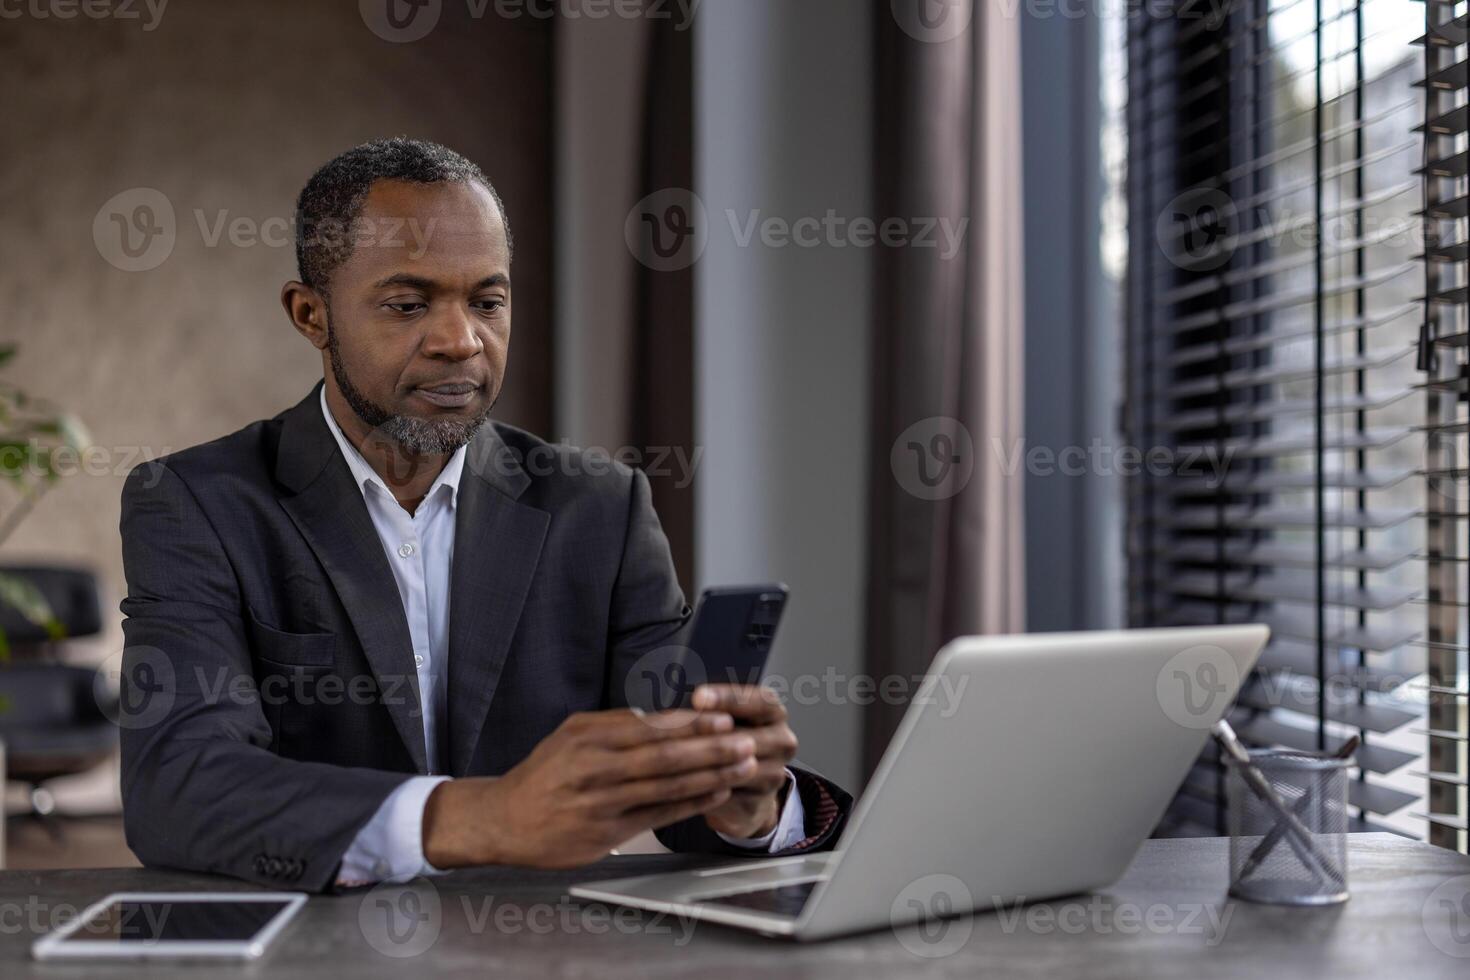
pixel 1295 860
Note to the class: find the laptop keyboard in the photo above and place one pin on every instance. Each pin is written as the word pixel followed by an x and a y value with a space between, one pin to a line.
pixel 781 900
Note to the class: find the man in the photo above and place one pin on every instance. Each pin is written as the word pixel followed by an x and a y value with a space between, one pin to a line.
pixel 367 639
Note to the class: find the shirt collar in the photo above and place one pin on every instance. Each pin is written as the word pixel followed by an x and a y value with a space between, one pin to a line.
pixel 364 475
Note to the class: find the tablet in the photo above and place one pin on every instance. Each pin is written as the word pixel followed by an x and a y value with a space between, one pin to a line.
pixel 162 925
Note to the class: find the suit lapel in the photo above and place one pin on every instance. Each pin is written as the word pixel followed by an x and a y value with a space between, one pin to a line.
pixel 497 545
pixel 327 507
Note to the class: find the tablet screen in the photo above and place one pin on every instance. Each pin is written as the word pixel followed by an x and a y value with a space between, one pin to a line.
pixel 173 924
pixel 177 921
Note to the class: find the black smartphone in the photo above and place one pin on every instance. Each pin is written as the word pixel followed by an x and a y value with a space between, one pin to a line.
pixel 726 641
pixel 732 632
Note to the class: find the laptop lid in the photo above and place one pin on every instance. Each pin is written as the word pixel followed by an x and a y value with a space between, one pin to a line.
pixel 1029 767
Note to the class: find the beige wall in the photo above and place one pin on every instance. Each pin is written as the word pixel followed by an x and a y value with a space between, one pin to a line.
pixel 226 107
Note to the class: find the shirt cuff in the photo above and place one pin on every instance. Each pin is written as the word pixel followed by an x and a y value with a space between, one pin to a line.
pixel 789 830
pixel 390 846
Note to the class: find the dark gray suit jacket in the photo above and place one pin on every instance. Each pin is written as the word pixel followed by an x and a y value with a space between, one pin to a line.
pixel 271 701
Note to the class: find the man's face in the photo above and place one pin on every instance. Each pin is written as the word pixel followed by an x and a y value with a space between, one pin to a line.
pixel 420 313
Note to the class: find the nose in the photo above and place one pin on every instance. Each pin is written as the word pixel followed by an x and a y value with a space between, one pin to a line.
pixel 452 336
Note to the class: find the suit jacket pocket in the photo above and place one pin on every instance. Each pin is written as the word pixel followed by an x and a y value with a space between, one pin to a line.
pixel 292 649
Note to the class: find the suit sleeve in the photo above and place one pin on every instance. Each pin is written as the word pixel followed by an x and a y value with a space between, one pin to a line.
pixel 648 616
pixel 201 789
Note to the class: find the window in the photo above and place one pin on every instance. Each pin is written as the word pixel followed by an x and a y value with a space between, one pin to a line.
pixel 1275 302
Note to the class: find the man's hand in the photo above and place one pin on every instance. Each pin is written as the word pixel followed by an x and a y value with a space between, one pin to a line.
pixel 596 781
pixel 754 808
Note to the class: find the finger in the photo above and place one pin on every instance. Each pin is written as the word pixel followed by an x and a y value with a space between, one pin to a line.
pixel 748 702
pixel 663 814
pixel 633 727
pixel 625 727
pixel 713 723
pixel 671 789
pixel 676 723
pixel 773 742
pixel 673 756
pixel 767 778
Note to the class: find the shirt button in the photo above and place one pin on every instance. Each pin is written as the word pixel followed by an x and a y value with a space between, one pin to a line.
pixel 418 660
pixel 405 549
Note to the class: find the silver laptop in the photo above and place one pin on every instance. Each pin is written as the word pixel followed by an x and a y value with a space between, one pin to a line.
pixel 1027 767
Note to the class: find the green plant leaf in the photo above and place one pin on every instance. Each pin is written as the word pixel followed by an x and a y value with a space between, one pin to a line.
pixel 31 429
pixel 22 595
pixel 73 432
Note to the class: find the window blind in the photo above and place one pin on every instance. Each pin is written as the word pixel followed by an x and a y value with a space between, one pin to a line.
pixel 1442 357
pixel 1275 334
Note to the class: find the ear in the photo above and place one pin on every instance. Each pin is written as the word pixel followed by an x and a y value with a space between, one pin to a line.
pixel 307 310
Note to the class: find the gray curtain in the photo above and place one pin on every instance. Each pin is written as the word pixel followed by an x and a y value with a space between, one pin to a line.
pixel 946 532
pixel 661 412
pixel 625 364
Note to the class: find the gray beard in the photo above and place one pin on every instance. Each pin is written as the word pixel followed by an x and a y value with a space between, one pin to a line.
pixel 414 436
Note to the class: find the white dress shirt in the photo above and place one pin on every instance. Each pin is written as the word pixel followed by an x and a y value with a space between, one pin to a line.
pixel 420 551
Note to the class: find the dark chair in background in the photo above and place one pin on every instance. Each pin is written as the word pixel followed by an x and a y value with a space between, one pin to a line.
pixel 72 595
pixel 53 716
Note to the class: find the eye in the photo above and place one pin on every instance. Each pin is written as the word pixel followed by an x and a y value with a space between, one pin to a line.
pixel 405 307
pixel 491 305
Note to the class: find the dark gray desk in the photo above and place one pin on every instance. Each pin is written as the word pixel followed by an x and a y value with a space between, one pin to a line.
pixel 1168 917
